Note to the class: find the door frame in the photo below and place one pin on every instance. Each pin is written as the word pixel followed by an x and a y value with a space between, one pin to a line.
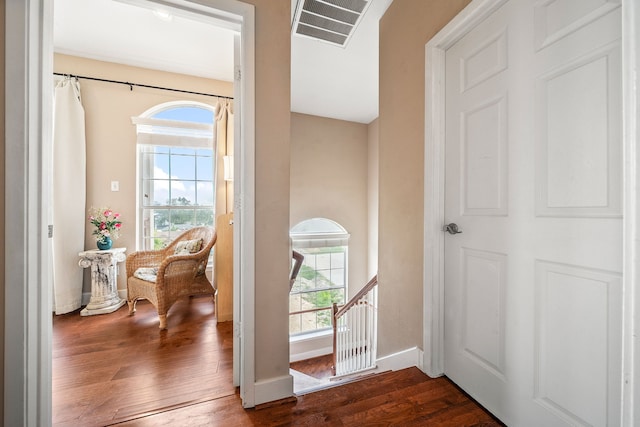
pixel 28 123
pixel 434 165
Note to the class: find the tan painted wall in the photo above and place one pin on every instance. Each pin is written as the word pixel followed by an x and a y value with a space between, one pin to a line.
pixel 2 189
pixel 373 199
pixel 404 30
pixel 273 116
pixel 329 180
pixel 111 137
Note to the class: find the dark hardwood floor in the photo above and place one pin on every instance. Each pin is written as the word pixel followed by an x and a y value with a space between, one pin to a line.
pixel 118 370
pixel 318 367
pixel 113 367
pixel 401 398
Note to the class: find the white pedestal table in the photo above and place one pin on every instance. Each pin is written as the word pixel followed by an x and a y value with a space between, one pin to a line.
pixel 104 280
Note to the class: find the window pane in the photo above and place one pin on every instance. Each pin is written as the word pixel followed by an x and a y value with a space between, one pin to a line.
pixel 155 192
pixel 183 167
pixel 337 277
pixel 204 193
pixel 323 319
pixel 183 193
pixel 205 168
pixel 309 300
pixel 160 166
pixel 307 322
pixel 337 259
pixel 295 303
pixel 323 299
pixel 295 323
pixel 323 262
pixel 182 219
pixel 204 217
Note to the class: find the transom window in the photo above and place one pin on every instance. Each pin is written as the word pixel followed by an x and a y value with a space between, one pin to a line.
pixel 176 165
pixel 322 279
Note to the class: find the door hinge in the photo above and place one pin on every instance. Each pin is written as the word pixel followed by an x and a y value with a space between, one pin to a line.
pixel 50 230
pixel 238 74
pixel 237 329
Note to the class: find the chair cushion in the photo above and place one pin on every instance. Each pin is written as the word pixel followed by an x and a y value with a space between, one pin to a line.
pixel 186 247
pixel 148 274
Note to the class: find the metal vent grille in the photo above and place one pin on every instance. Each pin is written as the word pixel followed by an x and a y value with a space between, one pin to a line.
pixel 331 21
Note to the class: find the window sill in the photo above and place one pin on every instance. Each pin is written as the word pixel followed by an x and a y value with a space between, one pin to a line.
pixel 311 335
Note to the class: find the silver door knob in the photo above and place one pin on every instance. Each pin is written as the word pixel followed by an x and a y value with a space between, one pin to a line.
pixel 452 228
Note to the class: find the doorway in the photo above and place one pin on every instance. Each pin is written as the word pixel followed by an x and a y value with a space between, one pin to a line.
pixel 554 280
pixel 28 305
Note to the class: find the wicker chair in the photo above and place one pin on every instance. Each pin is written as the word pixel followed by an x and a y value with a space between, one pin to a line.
pixel 176 275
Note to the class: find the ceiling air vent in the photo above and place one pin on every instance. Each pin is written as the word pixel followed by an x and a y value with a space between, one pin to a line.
pixel 331 21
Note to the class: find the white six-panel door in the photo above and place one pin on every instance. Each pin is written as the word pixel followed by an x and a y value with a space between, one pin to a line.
pixel 533 285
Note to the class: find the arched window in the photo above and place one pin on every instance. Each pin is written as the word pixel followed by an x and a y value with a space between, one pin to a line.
pixel 322 279
pixel 176 170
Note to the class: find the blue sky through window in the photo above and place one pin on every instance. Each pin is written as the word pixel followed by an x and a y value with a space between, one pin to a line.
pixel 190 168
pixel 186 114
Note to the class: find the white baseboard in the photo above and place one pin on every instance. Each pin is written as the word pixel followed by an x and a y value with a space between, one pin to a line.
pixel 400 360
pixel 273 389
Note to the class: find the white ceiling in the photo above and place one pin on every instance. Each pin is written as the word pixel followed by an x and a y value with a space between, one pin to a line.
pixel 326 80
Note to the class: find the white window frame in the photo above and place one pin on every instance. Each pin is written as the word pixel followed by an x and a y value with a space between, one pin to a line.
pixel 170 133
pixel 302 241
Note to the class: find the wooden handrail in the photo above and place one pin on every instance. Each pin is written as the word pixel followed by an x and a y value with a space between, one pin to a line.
pixel 298 258
pixel 311 310
pixel 373 282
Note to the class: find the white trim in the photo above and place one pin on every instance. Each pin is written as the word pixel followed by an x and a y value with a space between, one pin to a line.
pixel 28 118
pixel 631 233
pixel 433 295
pixel 433 314
pixel 308 346
pixel 174 104
pixel 171 124
pixel 274 389
pixel 28 299
pixel 401 360
pixel 244 201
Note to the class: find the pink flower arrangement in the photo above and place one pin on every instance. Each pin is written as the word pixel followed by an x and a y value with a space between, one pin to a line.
pixel 107 223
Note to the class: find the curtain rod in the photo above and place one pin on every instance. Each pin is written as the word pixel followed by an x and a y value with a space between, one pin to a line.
pixel 131 85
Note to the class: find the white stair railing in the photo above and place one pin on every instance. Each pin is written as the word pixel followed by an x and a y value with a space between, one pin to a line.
pixel 355 332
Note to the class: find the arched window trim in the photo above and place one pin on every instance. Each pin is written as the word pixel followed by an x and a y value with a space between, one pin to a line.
pixel 319 239
pixel 154 131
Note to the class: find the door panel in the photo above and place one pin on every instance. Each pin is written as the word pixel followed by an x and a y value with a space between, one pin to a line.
pixel 533 162
pixel 574 365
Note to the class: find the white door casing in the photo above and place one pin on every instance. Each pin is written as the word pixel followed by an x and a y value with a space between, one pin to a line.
pixel 586 280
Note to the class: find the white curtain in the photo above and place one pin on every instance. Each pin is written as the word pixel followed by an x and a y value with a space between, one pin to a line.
pixel 224 147
pixel 68 195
